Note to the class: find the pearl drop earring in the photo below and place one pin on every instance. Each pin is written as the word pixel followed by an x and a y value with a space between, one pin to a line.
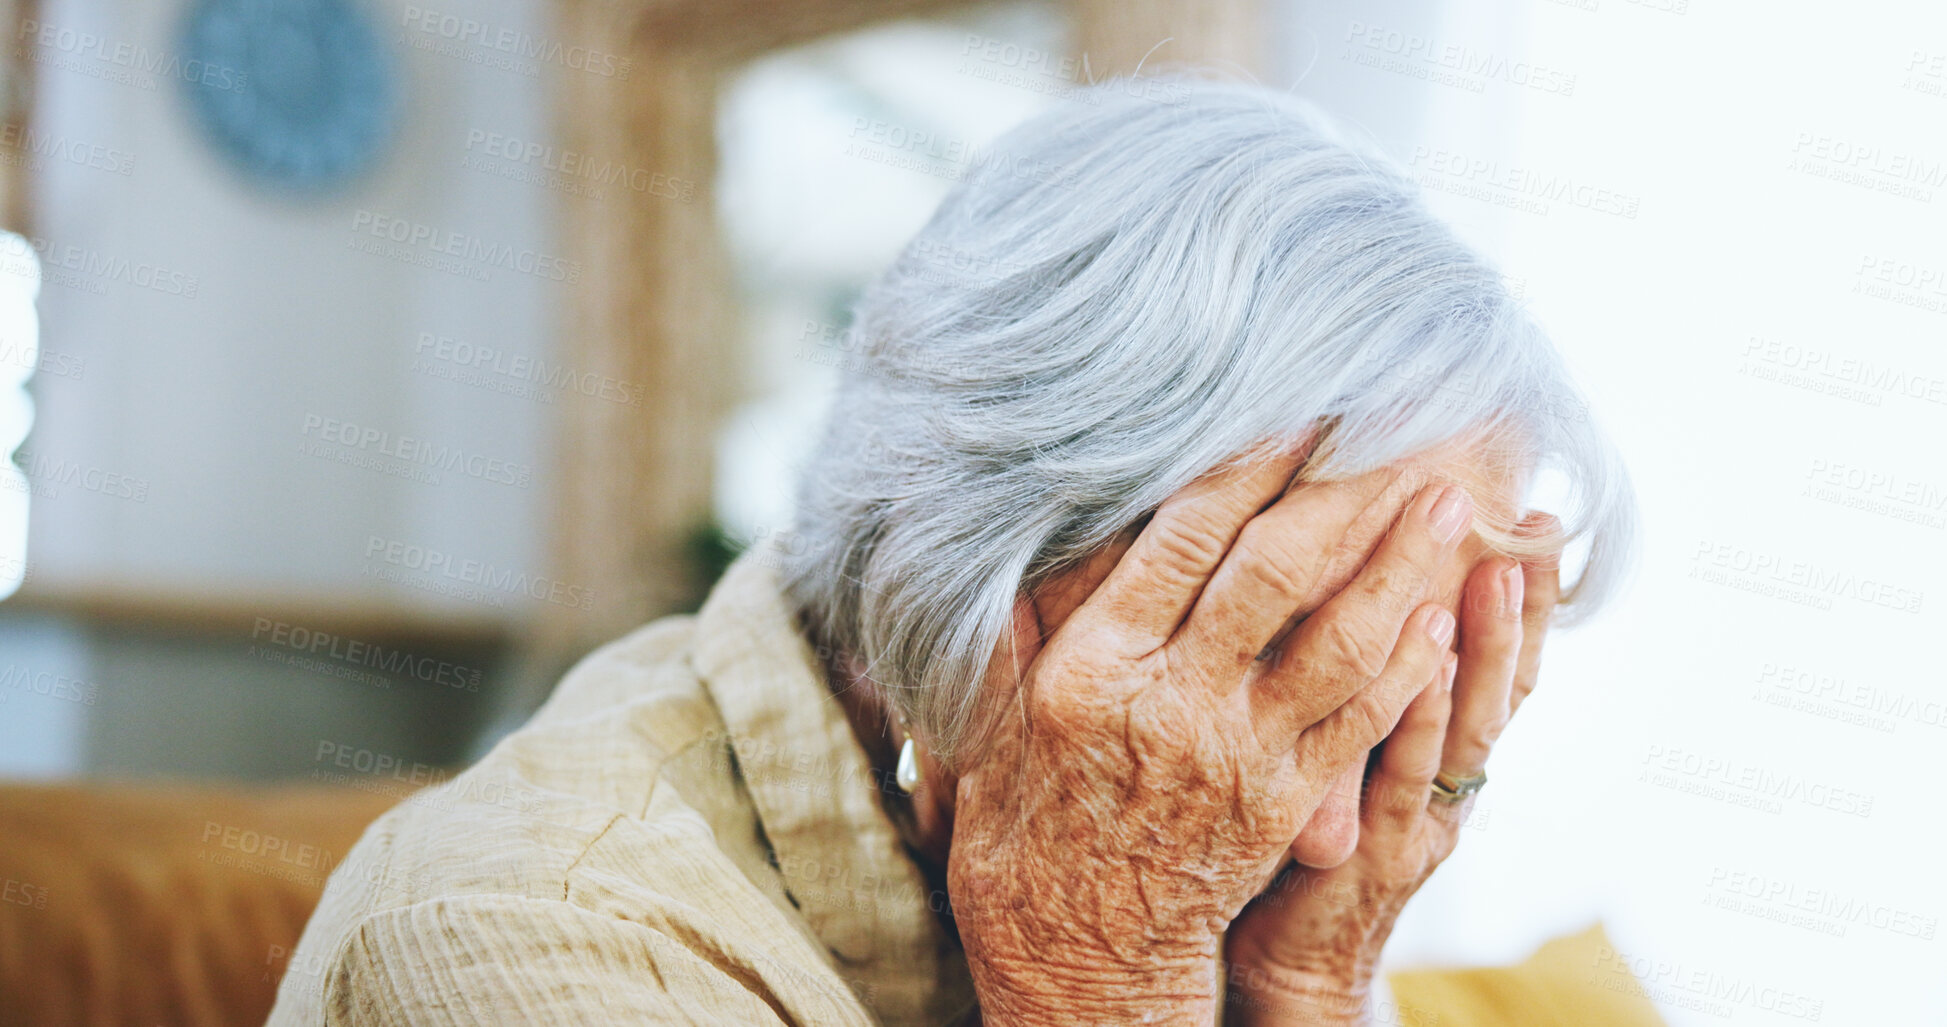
pixel 907 776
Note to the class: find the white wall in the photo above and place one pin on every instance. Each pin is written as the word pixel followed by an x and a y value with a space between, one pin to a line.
pixel 205 399
pixel 195 406
pixel 1735 167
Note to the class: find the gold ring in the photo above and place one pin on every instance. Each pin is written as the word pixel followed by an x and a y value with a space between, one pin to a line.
pixel 1448 788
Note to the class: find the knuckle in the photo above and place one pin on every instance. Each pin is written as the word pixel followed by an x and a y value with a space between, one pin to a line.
pixel 1523 687
pixel 1487 731
pixel 1449 815
pixel 1353 645
pixel 1341 563
pixel 1444 844
pixel 1186 545
pixel 1267 566
pixel 1367 720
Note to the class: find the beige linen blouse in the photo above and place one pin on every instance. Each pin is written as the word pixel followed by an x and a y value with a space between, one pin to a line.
pixel 687 832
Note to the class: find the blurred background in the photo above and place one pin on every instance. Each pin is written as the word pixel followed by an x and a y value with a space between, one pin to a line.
pixel 369 362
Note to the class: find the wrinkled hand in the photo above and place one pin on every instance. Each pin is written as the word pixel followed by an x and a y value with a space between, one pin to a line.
pixel 1306 950
pixel 1151 770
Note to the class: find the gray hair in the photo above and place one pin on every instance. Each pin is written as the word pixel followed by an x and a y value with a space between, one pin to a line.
pixel 1139 292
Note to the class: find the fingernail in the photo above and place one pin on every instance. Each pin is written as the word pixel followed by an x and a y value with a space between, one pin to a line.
pixel 1450 513
pixel 1447 671
pixel 1439 625
pixel 1512 585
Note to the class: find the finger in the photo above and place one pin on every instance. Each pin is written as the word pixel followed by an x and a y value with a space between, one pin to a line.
pixel 1348 732
pixel 1277 563
pixel 1541 582
pixel 1338 651
pixel 1061 595
pixel 1490 644
pixel 1402 782
pixel 1394 487
pixel 1152 587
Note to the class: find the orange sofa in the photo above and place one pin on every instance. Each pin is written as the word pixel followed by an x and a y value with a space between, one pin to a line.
pixel 161 904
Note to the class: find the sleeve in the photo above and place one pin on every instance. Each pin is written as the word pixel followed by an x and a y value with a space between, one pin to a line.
pixel 502 959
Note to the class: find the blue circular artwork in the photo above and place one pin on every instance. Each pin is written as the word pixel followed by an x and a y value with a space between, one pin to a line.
pixel 298 94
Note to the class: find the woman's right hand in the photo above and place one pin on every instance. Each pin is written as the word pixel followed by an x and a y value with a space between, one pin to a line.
pixel 1151 769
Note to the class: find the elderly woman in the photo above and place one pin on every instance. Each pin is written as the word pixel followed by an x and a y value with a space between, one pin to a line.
pixel 1157 592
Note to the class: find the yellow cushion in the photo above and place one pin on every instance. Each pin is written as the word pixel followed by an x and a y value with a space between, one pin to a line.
pixel 1567 983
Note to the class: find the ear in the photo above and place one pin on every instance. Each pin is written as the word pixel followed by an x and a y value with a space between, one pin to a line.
pixel 938 789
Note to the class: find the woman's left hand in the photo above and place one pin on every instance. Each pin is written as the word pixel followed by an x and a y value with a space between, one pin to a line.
pixel 1306 950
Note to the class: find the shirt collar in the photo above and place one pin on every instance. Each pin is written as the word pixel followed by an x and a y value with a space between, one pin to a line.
pixel 818 799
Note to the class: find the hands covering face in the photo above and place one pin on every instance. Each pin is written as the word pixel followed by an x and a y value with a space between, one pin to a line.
pixel 1307 949
pixel 1159 755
